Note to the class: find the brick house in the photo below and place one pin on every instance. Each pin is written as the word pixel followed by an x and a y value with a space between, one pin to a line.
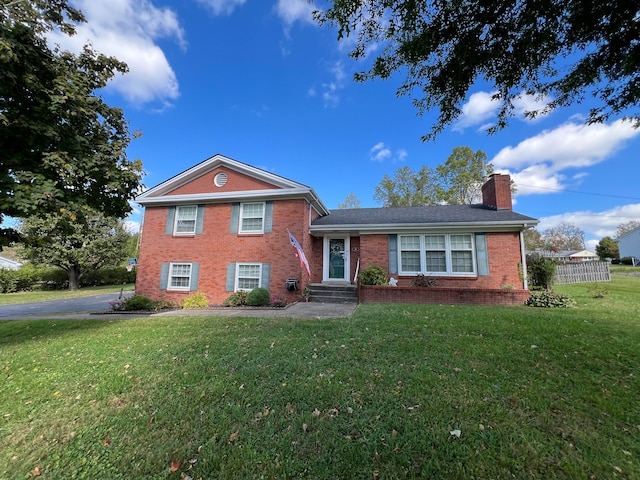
pixel 223 225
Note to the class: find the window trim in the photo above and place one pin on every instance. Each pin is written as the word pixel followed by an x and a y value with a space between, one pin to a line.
pixel 177 219
pixel 236 288
pixel 241 218
pixel 170 277
pixel 448 255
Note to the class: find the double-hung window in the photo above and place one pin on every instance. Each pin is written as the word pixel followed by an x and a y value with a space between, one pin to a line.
pixel 252 217
pixel 437 254
pixel 179 276
pixel 185 223
pixel 248 276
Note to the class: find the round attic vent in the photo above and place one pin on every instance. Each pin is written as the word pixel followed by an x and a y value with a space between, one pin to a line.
pixel 220 179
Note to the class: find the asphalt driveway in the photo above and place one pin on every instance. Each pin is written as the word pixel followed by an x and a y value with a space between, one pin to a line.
pixel 56 308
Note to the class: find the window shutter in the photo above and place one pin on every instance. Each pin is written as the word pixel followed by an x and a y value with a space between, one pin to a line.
pixel 482 254
pixel 171 217
pixel 231 276
pixel 199 219
pixel 268 217
pixel 235 218
pixel 266 274
pixel 195 273
pixel 164 276
pixel 393 254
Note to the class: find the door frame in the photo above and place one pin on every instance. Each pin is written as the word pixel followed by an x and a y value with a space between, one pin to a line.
pixel 346 256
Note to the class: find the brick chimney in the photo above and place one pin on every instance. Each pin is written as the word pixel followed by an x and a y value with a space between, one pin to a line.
pixel 496 192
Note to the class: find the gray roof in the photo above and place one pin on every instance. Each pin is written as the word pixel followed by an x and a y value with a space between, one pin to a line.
pixel 407 217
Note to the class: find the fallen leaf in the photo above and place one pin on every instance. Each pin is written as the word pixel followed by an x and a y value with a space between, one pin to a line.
pixel 457 369
pixel 175 466
pixel 36 472
pixel 480 427
pixel 617 469
pixel 234 436
pixel 184 476
pixel 304 427
pixel 455 433
pixel 394 433
pixel 316 413
pixel 106 441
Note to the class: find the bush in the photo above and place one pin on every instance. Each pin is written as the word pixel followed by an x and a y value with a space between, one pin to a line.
pixel 373 275
pixel 236 299
pixel 258 297
pixel 541 271
pixel 549 300
pixel 21 280
pixel 278 301
pixel 424 281
pixel 108 276
pixel 196 300
pixel 138 302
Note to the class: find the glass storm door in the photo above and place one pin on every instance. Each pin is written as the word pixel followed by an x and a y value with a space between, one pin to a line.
pixel 336 259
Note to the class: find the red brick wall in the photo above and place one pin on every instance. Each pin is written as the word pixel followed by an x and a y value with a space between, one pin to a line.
pixel 216 247
pixel 439 295
pixel 236 182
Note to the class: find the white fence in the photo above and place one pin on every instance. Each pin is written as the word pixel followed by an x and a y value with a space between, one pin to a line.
pixel 583 272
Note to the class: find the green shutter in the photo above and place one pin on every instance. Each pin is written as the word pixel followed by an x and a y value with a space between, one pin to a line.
pixel 195 273
pixel 199 219
pixel 482 256
pixel 231 276
pixel 268 217
pixel 393 254
pixel 171 216
pixel 266 274
pixel 235 217
pixel 164 276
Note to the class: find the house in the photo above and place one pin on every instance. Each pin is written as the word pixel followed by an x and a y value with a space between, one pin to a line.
pixel 9 264
pixel 570 256
pixel 223 226
pixel 629 244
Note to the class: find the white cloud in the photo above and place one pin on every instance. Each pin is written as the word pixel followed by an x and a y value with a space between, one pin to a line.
pixel 222 7
pixel 380 152
pixel 477 110
pixel 525 103
pixel 128 30
pixel 330 91
pixel 292 11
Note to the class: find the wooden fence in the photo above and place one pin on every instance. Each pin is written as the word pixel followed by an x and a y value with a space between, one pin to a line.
pixel 583 272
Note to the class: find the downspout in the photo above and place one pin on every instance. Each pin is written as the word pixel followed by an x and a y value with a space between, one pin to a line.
pixel 523 255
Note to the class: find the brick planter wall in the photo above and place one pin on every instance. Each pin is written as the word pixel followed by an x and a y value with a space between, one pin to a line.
pixel 441 295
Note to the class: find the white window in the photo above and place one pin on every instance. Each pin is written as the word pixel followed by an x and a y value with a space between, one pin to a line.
pixel 437 254
pixel 179 276
pixel 185 223
pixel 248 276
pixel 252 217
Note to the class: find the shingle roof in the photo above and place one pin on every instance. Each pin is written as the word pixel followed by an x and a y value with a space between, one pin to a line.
pixel 458 215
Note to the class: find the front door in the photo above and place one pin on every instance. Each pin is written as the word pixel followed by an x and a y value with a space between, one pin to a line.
pixel 336 259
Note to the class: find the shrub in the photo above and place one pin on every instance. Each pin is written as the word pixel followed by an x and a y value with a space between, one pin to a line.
pixel 541 271
pixel 236 299
pixel 424 281
pixel 278 301
pixel 373 275
pixel 549 300
pixel 196 300
pixel 138 302
pixel 108 276
pixel 258 297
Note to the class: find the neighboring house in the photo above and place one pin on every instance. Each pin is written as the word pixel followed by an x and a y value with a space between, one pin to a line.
pixel 223 226
pixel 629 244
pixel 570 256
pixel 9 264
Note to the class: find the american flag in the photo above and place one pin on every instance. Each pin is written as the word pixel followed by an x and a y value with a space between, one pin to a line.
pixel 303 259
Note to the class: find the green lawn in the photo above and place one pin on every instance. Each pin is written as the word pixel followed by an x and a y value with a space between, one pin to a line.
pixel 26 297
pixel 534 393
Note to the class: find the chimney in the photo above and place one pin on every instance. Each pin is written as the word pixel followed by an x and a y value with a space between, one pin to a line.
pixel 496 192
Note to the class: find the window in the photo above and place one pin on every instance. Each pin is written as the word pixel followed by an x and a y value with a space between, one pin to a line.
pixel 442 254
pixel 248 276
pixel 186 220
pixel 252 217
pixel 179 276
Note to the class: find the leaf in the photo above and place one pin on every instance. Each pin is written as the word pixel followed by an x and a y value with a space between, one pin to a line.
pixel 106 441
pixel 455 433
pixel 234 436
pixel 175 466
pixel 316 413
pixel 305 427
pixel 36 472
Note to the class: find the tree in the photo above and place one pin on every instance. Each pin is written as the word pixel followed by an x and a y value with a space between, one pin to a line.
pixel 352 201
pixel 625 228
pixel 61 146
pixel 564 236
pixel 75 243
pixel 458 181
pixel 532 240
pixel 560 50
pixel 607 248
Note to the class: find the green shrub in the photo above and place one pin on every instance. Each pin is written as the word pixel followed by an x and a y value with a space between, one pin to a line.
pixel 548 299
pixel 196 300
pixel 373 275
pixel 108 276
pixel 258 297
pixel 138 302
pixel 541 271
pixel 21 280
pixel 236 299
pixel 424 281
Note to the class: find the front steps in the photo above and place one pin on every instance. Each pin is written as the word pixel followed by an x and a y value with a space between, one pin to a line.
pixel 337 292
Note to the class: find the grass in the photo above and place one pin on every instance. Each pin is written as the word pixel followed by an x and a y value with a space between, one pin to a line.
pixel 535 393
pixel 41 296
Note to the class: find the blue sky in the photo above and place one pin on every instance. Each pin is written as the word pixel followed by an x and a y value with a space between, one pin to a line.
pixel 260 82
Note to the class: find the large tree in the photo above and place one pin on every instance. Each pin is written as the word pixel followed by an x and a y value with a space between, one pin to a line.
pixel 76 243
pixel 565 50
pixel 61 145
pixel 457 181
pixel 351 201
pixel 607 248
pixel 563 236
pixel 626 227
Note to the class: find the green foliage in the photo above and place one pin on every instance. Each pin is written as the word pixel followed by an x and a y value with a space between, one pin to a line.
pixel 556 50
pixel 108 276
pixel 549 299
pixel 278 301
pixel 236 299
pixel 607 248
pixel 258 297
pixel 351 201
pixel 421 280
pixel 373 275
pixel 138 302
pixel 541 271
pixel 196 300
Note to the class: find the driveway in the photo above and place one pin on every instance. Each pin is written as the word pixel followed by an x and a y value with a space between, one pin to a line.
pixel 56 308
